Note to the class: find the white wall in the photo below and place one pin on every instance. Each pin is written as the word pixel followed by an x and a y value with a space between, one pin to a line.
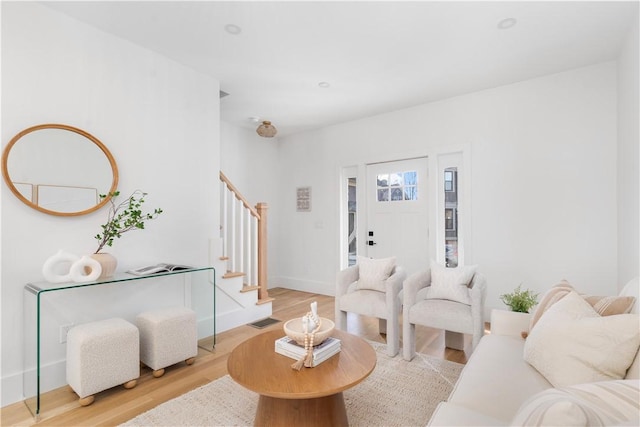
pixel 628 159
pixel 251 163
pixel 161 122
pixel 543 181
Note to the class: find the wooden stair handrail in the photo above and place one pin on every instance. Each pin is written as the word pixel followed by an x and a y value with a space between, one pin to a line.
pixel 260 213
pixel 239 195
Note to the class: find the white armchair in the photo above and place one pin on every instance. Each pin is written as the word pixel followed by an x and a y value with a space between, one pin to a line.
pixel 426 306
pixel 385 305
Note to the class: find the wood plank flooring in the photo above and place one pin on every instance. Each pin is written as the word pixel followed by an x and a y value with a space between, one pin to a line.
pixel 117 405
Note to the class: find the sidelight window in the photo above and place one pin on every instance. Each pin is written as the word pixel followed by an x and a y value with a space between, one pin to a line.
pixel 451 216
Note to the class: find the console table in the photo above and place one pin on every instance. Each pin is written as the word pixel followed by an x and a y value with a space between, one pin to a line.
pixel 33 298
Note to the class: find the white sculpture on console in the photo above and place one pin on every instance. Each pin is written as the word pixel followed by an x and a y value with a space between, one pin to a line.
pixel 76 269
pixel 86 269
pixel 51 269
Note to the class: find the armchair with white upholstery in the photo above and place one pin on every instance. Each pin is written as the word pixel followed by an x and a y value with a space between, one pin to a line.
pixel 376 295
pixel 453 301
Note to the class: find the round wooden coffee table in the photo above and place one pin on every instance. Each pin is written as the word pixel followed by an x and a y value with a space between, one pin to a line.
pixel 309 397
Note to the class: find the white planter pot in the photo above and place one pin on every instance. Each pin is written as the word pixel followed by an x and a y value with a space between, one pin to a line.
pixel 505 322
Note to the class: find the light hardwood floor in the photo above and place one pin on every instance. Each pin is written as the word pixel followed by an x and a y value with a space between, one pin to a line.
pixel 117 405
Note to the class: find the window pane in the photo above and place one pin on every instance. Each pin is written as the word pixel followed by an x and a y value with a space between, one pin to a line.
pixel 396 179
pixel 451 253
pixel 451 216
pixel 383 194
pixel 410 178
pixel 383 180
pixel 352 237
pixel 410 193
pixel 396 193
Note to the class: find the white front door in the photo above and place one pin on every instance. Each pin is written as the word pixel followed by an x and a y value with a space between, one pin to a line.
pixel 397 221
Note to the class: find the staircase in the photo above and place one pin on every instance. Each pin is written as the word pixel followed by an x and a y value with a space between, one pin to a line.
pixel 242 294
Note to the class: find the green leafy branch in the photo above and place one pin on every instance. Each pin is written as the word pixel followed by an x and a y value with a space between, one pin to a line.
pixel 124 217
pixel 520 301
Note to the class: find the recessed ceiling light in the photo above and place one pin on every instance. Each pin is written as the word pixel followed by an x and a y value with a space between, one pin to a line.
pixel 507 23
pixel 232 29
pixel 324 85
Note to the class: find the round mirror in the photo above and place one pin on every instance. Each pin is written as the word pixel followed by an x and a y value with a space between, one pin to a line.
pixel 59 169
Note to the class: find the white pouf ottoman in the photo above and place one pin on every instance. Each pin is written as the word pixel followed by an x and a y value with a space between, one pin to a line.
pixel 167 336
pixel 101 355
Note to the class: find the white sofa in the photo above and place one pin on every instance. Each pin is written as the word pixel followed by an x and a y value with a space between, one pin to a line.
pixel 497 381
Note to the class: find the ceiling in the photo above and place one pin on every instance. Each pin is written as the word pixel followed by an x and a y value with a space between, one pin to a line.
pixel 377 56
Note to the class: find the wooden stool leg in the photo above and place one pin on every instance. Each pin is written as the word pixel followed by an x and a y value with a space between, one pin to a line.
pixel 86 401
pixel 158 373
pixel 190 361
pixel 130 384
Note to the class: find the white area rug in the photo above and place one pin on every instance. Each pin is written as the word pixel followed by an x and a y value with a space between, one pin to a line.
pixel 397 393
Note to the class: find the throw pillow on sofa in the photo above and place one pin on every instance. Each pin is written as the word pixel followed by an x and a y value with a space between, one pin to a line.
pixel 592 404
pixel 373 273
pixel 451 283
pixel 573 344
pixel 603 305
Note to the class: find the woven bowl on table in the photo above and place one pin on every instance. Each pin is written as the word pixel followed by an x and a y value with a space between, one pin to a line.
pixel 294 330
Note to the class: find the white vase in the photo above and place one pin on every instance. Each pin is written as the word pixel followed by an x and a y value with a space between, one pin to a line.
pixel 108 263
pixel 505 322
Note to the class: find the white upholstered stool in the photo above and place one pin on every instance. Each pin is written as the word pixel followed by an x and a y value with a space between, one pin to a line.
pixel 101 355
pixel 167 336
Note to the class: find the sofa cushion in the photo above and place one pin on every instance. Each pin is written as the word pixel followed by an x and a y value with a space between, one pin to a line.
pixel 633 373
pixel 572 344
pixel 373 273
pixel 451 283
pixel 591 404
pixel 450 414
pixel 488 382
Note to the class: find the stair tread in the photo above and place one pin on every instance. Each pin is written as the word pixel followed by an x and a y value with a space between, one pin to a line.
pixel 230 274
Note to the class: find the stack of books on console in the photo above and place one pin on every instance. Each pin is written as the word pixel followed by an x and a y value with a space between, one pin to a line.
pixel 288 347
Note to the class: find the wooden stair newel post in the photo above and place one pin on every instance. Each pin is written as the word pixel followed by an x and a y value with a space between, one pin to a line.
pixel 263 292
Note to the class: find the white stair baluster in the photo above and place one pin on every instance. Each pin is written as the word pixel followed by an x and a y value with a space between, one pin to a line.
pixel 240 214
pixel 254 249
pixel 247 239
pixel 225 229
pixel 232 235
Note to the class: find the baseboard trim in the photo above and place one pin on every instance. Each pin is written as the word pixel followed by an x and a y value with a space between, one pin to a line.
pixel 316 287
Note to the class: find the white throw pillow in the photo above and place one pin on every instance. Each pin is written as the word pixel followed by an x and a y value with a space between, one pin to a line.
pixel 451 283
pixel 572 344
pixel 373 273
pixel 592 404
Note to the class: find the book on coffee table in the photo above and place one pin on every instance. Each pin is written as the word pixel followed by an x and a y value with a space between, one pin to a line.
pixel 288 347
pixel 316 359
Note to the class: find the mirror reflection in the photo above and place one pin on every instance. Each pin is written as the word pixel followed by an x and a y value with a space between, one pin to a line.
pixel 59 169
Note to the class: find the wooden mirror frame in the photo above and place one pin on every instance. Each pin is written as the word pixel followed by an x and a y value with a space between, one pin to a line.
pixel 96 141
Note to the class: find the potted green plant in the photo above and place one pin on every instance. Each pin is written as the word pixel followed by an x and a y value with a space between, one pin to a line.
pixel 520 301
pixel 122 218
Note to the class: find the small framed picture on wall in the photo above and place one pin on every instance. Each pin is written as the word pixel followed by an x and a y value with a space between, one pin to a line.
pixel 303 199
